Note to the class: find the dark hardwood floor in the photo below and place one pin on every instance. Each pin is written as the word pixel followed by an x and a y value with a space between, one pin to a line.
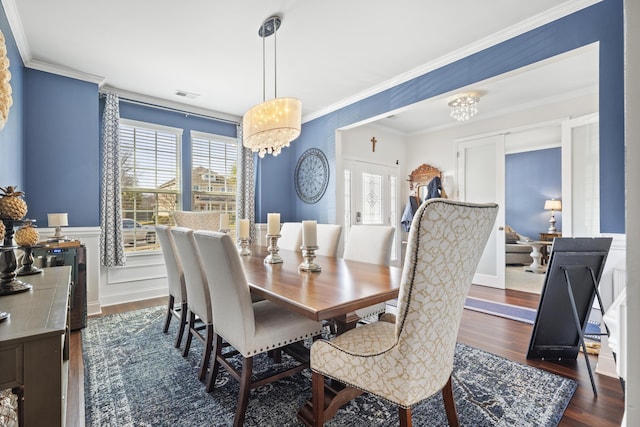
pixel 506 338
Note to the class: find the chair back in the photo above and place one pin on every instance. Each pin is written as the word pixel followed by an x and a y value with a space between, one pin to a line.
pixel 197 220
pixel 369 243
pixel 230 294
pixel 198 298
pixel 175 275
pixel 328 239
pixel 446 241
pixel 290 236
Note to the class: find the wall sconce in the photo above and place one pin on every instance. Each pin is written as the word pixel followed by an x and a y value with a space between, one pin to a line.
pixel 552 205
pixel 58 220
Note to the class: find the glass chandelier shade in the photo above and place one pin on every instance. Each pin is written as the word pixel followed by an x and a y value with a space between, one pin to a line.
pixel 272 125
pixel 464 106
pixel 269 127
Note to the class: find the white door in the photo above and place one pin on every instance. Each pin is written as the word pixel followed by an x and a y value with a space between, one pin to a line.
pixel 581 177
pixel 481 179
pixel 371 196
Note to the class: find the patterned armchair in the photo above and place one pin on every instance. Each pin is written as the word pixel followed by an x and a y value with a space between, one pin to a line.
pixel 408 359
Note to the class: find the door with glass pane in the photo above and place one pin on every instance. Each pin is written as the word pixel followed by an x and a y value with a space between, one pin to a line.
pixel 371 196
pixel 481 180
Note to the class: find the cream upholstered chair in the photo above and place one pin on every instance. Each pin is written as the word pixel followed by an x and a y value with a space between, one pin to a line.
pixel 411 359
pixel 290 236
pixel 372 244
pixel 251 328
pixel 175 278
pixel 328 239
pixel 198 299
pixel 197 220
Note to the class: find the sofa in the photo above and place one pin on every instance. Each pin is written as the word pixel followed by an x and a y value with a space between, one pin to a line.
pixel 516 253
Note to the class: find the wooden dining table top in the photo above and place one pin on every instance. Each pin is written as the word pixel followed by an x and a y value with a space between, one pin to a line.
pixel 338 290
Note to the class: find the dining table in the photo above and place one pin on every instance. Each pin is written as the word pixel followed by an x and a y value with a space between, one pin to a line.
pixel 333 294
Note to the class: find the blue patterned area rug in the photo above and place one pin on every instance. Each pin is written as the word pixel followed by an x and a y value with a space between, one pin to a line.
pixel 135 377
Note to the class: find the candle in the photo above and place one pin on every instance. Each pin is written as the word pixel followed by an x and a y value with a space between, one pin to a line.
pixel 273 224
pixel 224 221
pixel 244 228
pixel 309 236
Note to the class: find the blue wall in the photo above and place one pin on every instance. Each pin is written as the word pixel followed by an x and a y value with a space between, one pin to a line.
pixel 12 135
pixel 601 22
pixel 61 146
pixel 525 197
pixel 187 123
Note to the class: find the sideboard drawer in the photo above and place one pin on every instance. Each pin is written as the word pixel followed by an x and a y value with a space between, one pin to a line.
pixel 11 373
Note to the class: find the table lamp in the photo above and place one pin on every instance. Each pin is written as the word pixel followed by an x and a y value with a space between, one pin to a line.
pixel 552 205
pixel 58 220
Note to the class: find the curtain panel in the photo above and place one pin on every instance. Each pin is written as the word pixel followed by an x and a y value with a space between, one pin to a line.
pixel 111 243
pixel 245 199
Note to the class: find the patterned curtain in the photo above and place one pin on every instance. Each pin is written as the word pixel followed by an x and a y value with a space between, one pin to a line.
pixel 245 199
pixel 111 243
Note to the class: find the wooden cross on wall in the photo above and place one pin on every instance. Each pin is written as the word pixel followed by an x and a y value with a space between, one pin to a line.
pixel 373 144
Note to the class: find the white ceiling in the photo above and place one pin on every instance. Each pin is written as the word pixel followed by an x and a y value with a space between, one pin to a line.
pixel 329 52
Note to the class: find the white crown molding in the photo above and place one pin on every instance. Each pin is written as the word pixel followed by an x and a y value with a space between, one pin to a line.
pixel 172 105
pixel 15 23
pixel 65 72
pixel 529 24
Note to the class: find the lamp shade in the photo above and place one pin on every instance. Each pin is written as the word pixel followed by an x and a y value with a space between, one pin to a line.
pixel 272 125
pixel 552 205
pixel 58 219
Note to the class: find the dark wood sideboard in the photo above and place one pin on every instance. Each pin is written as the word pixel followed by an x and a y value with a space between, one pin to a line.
pixel 34 346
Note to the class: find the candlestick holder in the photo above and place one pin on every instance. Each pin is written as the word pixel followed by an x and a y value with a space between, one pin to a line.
pixel 244 246
pixel 273 257
pixel 309 254
pixel 27 261
pixel 8 263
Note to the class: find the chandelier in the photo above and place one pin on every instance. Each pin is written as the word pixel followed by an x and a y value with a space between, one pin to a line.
pixel 272 125
pixel 464 106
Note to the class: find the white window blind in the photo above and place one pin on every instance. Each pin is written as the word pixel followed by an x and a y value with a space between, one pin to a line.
pixel 150 179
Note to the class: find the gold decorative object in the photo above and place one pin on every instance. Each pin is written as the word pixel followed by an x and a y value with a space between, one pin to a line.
pixel 11 204
pixel 5 87
pixel 27 235
pixel 3 230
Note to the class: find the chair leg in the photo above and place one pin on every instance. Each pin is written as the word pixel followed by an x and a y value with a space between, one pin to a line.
pixel 183 324
pixel 206 355
pixel 245 387
pixel 215 365
pixel 317 398
pixel 169 315
pixel 405 416
pixel 190 327
pixel 450 404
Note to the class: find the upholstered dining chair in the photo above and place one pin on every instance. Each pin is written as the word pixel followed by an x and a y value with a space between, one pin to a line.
pixel 175 279
pixel 197 220
pixel 408 360
pixel 251 328
pixel 198 299
pixel 328 239
pixel 290 236
pixel 371 244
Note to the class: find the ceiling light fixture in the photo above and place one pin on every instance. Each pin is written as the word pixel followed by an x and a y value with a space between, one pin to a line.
pixel 272 125
pixel 464 106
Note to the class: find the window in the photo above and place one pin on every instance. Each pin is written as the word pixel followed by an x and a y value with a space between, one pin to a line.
pixel 150 184
pixel 213 174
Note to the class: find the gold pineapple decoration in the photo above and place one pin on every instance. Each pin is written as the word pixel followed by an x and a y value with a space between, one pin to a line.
pixel 27 235
pixel 11 204
pixel 2 232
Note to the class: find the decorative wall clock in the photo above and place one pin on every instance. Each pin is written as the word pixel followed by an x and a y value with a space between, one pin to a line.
pixel 312 175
